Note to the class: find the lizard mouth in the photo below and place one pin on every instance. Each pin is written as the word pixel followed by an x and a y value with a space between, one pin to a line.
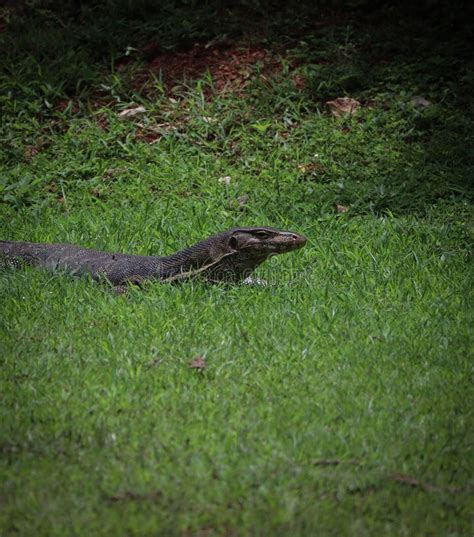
pixel 293 242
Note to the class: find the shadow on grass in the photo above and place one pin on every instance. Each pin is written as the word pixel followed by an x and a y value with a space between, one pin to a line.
pixel 381 55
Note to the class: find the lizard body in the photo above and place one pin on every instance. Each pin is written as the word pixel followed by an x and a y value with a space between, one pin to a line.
pixel 228 256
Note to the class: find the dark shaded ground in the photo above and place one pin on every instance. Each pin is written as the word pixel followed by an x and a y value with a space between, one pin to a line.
pixel 79 56
pixel 183 40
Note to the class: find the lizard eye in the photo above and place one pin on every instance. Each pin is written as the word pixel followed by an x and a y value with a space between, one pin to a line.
pixel 262 234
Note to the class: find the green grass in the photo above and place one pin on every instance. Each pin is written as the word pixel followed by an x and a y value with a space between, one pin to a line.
pixel 359 350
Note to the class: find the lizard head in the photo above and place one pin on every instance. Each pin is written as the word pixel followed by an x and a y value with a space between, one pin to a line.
pixel 244 249
pixel 233 254
pixel 264 241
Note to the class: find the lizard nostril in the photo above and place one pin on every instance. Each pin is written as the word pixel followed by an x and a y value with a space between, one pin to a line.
pixel 295 237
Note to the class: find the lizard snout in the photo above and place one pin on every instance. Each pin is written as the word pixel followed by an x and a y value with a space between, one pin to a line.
pixel 298 241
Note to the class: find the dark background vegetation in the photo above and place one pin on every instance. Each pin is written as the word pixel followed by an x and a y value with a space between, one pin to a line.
pixel 381 53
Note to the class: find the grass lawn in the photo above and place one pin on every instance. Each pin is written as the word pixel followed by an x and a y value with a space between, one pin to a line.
pixel 337 400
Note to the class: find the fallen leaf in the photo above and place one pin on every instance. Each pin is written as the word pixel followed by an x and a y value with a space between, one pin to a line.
pixel 308 167
pixel 342 106
pixel 131 112
pixel 341 209
pixel 225 180
pixel 30 152
pixel 198 363
pixel 242 200
pixel 299 82
pixel 419 101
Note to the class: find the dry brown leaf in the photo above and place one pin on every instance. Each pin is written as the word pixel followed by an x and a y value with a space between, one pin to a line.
pixel 420 102
pixel 343 106
pixel 299 82
pixel 30 151
pixel 307 167
pixel 132 112
pixel 341 209
pixel 198 363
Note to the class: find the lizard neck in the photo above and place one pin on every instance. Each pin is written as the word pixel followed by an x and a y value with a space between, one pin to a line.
pixel 213 259
pixel 193 260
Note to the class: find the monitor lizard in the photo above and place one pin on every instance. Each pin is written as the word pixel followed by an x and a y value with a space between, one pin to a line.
pixel 230 256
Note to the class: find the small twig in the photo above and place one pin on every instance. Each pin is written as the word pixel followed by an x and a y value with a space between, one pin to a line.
pixel 416 483
pixel 64 194
pixel 335 462
pixel 130 496
pixel 412 482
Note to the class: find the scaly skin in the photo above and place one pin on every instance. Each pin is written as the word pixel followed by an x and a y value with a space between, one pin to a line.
pixel 230 256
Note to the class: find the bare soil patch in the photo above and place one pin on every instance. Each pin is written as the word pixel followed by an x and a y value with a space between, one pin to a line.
pixel 231 67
